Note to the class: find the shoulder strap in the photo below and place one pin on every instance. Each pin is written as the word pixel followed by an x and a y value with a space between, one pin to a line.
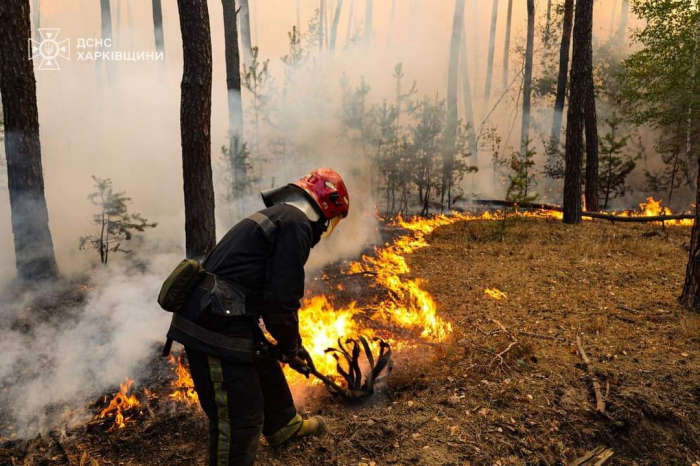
pixel 264 222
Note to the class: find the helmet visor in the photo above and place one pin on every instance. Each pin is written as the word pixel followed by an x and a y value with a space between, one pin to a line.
pixel 332 223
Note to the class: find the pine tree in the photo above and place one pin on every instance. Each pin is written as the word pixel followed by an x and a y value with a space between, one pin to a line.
pixel 615 166
pixel 114 223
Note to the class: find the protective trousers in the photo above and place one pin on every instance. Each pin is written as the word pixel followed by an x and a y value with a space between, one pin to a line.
pixel 241 401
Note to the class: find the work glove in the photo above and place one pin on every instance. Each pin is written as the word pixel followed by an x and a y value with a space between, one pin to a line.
pixel 300 361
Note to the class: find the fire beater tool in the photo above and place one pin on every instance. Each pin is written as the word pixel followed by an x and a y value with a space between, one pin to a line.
pixel 357 389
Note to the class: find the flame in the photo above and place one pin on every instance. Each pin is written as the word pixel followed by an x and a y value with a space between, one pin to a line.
pixel 119 404
pixel 653 208
pixel 495 293
pixel 321 324
pixel 184 384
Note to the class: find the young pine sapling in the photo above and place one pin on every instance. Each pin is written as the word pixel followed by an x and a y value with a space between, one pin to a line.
pixel 615 166
pixel 113 221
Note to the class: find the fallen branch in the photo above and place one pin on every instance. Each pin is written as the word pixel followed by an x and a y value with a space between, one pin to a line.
pixel 599 399
pixel 595 457
pixel 524 205
pixel 364 272
pixel 641 219
pixel 500 325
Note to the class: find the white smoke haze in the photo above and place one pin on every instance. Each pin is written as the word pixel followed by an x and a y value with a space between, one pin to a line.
pixel 125 125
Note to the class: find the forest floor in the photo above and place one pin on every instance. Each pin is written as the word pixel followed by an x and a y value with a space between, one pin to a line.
pixel 614 287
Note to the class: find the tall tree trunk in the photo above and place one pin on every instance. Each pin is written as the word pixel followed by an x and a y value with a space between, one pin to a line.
pixel 158 26
pixel 321 23
pixel 690 295
pixel 452 117
pixel 37 19
pixel 336 20
pixel 548 25
pixel 492 47
pixel 368 23
pixel 235 103
pixel 351 19
pixel 467 96
pixel 298 17
pixel 567 25
pixel 506 48
pixel 580 72
pixel 246 43
pixel 195 128
pixel 34 253
pixel 391 23
pixel 105 20
pixel 527 80
pixel 613 20
pixel 624 18
pixel 693 75
pixel 233 70
pixel 591 123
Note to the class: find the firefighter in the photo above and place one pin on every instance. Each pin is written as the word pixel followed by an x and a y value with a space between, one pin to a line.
pixel 257 271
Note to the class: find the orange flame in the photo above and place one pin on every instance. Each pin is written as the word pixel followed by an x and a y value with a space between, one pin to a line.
pixel 653 208
pixel 119 404
pixel 495 293
pixel 184 384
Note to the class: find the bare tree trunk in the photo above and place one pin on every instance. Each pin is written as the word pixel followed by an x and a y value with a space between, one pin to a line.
pixel 233 70
pixel 580 73
pixel 492 47
pixel 105 20
pixel 613 20
pixel 368 23
pixel 506 49
pixel 37 19
pixel 391 23
pixel 235 103
pixel 351 19
pixel 246 42
pixel 624 18
pixel 336 20
pixel 158 26
pixel 567 25
pixel 527 80
pixel 591 123
pixel 693 74
pixel 467 96
pixel 548 25
pixel 298 17
pixel 452 118
pixel 690 296
pixel 590 116
pixel 34 253
pixel 195 128
pixel 321 24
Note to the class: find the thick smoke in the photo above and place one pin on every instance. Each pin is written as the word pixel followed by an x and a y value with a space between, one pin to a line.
pixel 122 122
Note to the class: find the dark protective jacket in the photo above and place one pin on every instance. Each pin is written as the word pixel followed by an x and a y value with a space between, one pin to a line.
pixel 263 257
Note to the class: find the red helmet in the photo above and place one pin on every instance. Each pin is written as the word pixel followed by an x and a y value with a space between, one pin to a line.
pixel 328 190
